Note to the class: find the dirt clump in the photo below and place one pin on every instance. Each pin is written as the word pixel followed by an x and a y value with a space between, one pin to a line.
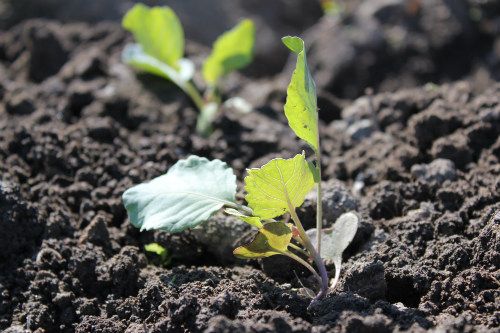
pixel 421 166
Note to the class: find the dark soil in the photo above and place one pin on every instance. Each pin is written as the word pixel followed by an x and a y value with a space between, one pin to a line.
pixel 77 127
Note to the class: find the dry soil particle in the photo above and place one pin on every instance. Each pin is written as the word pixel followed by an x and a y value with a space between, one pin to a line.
pixel 426 256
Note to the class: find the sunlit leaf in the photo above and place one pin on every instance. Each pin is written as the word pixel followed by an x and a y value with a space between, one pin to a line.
pixel 301 101
pixel 163 257
pixel 252 220
pixel 158 31
pixel 155 248
pixel 273 238
pixel 278 185
pixel 187 195
pixel 231 51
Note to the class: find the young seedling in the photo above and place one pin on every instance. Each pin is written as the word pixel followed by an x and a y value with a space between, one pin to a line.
pixel 332 7
pixel 160 51
pixel 164 258
pixel 195 188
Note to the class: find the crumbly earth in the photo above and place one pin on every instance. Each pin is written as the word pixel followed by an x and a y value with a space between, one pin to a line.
pixel 421 166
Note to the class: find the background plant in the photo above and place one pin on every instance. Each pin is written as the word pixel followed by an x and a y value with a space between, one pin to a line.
pixel 160 51
pixel 195 188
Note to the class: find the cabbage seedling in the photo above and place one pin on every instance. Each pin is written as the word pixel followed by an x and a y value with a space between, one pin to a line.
pixel 160 51
pixel 161 252
pixel 195 188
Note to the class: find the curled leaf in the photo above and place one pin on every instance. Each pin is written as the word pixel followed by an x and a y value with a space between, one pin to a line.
pixel 155 248
pixel 252 220
pixel 134 55
pixel 336 239
pixel 301 101
pixel 273 238
pixel 279 185
pixel 187 195
pixel 162 253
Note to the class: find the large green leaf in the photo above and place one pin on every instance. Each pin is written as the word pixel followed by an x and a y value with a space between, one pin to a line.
pixel 158 31
pixel 279 185
pixel 187 195
pixel 273 238
pixel 301 101
pixel 231 51
pixel 134 55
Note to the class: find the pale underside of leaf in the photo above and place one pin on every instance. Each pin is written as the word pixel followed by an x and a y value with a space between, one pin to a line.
pixel 187 195
pixel 272 239
pixel 252 220
pixel 134 56
pixel 231 51
pixel 301 102
pixel 158 31
pixel 336 239
pixel 279 185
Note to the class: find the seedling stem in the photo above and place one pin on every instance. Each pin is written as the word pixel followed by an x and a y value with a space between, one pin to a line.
pixel 319 203
pixel 312 252
pixel 299 249
pixel 304 263
pixel 195 96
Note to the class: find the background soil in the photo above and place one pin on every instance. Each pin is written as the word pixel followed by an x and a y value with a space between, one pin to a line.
pixel 418 159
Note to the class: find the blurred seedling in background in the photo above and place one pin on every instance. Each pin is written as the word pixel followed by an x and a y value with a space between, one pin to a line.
pixel 160 51
pixel 195 188
pixel 161 256
pixel 332 7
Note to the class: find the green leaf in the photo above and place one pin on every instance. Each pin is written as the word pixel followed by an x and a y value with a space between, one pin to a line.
pixel 273 238
pixel 158 31
pixel 134 55
pixel 335 240
pixel 164 258
pixel 231 51
pixel 252 220
pixel 155 248
pixel 277 187
pixel 188 194
pixel 301 101
pixel 295 44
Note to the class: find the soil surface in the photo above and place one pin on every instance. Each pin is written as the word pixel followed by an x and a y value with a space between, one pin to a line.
pixel 421 166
